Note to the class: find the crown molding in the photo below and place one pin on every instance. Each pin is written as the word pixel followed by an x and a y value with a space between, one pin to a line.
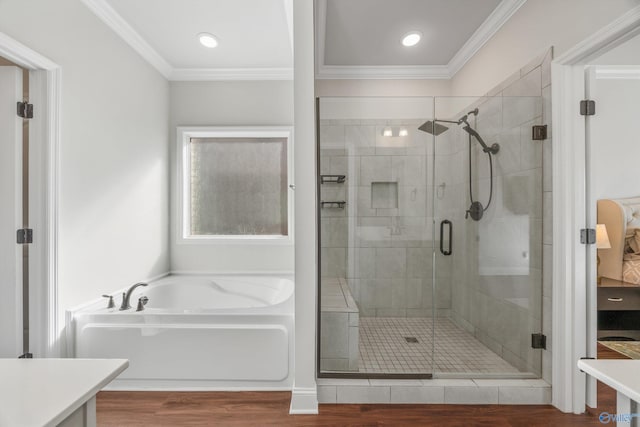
pixel 479 38
pixel 620 30
pixel 489 27
pixel 483 34
pixel 230 74
pixel 109 16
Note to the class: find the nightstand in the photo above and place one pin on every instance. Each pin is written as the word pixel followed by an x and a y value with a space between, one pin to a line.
pixel 618 310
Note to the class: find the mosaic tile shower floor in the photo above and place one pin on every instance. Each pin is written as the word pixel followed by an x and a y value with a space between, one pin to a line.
pixel 384 348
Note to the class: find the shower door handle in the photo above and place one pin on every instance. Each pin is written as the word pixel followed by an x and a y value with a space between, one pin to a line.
pixel 442 224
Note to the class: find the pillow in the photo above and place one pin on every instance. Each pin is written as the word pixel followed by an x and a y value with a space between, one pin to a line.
pixel 632 241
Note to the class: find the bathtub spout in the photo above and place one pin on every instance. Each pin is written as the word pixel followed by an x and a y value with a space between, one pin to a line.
pixel 127 296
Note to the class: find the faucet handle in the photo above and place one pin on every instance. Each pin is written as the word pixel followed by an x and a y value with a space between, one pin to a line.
pixel 142 301
pixel 110 304
pixel 123 306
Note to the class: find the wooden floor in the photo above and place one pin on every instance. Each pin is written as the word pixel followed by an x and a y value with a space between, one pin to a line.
pixel 271 409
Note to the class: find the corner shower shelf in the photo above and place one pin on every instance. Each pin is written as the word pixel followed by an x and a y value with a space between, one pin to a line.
pixel 333 179
pixel 339 205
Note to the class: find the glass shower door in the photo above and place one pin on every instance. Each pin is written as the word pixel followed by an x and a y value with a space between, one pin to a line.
pixel 375 237
pixel 487 224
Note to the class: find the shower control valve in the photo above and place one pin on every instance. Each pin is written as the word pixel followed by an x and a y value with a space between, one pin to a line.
pixel 475 210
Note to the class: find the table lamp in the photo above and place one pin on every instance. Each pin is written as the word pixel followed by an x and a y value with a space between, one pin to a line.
pixel 602 242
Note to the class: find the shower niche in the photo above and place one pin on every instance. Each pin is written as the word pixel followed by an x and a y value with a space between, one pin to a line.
pixel 384 195
pixel 432 265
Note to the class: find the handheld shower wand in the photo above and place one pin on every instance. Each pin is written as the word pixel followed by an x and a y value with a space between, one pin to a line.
pixel 491 150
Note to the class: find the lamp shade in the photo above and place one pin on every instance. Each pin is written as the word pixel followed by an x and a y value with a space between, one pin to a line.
pixel 602 238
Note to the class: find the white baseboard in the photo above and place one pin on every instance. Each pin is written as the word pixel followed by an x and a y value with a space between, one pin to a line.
pixel 304 401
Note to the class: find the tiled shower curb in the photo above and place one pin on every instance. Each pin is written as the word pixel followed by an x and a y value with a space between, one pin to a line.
pixel 448 391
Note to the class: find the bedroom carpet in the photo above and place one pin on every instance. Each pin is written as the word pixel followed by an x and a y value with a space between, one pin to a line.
pixel 628 348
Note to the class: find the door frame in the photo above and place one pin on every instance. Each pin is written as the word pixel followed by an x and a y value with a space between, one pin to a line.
pixel 45 80
pixel 573 302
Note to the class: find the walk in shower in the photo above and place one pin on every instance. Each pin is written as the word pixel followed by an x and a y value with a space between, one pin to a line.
pixel 430 213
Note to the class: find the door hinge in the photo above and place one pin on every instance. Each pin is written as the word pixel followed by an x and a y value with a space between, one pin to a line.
pixel 24 236
pixel 539 341
pixel 539 132
pixel 25 110
pixel 587 236
pixel 587 107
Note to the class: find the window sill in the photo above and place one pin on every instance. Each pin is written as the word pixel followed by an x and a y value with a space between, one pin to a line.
pixel 237 240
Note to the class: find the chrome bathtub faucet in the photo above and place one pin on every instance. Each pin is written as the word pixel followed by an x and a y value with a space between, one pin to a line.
pixel 127 296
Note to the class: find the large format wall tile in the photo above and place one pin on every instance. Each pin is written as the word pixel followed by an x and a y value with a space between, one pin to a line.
pixel 391 263
pixel 360 140
pixel 375 169
pixel 334 339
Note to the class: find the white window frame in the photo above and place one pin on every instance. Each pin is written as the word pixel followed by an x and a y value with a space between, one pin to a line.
pixel 184 135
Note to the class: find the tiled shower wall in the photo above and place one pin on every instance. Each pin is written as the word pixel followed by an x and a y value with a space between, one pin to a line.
pixel 496 286
pixel 382 241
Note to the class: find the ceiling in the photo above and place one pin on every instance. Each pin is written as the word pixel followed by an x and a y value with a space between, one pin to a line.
pixel 355 38
pixel 368 32
pixel 362 38
pixel 251 33
pixel 255 36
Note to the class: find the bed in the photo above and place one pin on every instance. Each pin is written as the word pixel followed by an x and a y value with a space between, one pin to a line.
pixel 622 218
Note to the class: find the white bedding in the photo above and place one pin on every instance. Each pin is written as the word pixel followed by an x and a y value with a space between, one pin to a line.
pixel 631 271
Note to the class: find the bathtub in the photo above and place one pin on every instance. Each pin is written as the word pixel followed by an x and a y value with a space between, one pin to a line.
pixel 196 333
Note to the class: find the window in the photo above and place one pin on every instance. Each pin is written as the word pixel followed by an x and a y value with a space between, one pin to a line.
pixel 235 184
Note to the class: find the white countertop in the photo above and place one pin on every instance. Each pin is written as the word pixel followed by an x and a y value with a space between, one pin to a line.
pixel 621 375
pixel 43 392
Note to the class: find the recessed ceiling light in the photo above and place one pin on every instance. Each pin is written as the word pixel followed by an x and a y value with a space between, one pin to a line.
pixel 208 40
pixel 412 38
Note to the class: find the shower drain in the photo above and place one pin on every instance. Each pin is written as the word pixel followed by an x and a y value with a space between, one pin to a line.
pixel 410 339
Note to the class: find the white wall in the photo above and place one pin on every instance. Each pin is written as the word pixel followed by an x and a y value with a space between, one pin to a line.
pixel 614 144
pixel 113 152
pixel 614 137
pixel 537 25
pixel 383 108
pixel 356 87
pixel 243 103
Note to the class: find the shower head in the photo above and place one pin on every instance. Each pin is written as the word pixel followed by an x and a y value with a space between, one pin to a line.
pixel 433 128
pixel 489 150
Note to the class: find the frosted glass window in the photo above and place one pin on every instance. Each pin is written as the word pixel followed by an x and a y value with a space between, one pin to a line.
pixel 238 186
